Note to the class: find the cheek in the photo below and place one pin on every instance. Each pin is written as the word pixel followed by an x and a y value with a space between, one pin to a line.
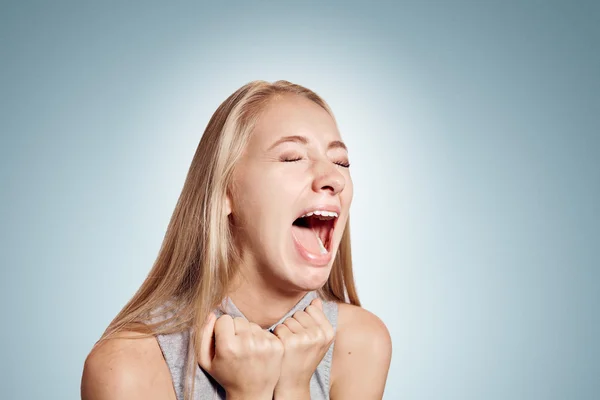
pixel 348 192
pixel 247 202
pixel 250 185
pixel 258 200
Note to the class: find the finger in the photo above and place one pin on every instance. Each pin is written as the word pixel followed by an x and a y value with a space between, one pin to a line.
pixel 207 342
pixel 304 319
pixel 317 315
pixel 317 302
pixel 270 333
pixel 224 331
pixel 322 322
pixel 242 326
pixel 282 332
pixel 255 329
pixel 293 325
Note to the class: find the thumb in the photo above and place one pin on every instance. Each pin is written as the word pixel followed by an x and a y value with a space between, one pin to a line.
pixel 207 342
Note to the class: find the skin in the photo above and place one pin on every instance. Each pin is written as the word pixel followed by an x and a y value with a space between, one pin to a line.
pixel 269 192
pixel 244 358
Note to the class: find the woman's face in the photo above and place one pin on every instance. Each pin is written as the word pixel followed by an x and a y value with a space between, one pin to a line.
pixel 294 164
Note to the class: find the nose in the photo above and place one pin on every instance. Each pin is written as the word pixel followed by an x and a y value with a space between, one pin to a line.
pixel 328 178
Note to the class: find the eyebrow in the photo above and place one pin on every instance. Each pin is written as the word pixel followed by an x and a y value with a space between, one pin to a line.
pixel 336 144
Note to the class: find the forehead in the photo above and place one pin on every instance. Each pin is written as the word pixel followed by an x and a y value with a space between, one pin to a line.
pixel 291 115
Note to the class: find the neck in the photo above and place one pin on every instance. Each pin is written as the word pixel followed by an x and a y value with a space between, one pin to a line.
pixel 260 302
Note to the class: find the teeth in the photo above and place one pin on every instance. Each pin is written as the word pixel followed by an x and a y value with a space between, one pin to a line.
pixel 326 214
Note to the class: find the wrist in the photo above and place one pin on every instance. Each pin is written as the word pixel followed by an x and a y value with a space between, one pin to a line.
pixel 248 396
pixel 292 393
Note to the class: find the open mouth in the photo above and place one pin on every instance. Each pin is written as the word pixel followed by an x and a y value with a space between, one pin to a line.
pixel 314 231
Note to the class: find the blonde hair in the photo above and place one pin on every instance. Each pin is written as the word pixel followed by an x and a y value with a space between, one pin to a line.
pixel 197 259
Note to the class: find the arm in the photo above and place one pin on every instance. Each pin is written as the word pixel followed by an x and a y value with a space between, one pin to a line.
pixel 131 369
pixel 362 355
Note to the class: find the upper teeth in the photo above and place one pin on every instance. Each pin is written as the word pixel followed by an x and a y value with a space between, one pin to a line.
pixel 321 214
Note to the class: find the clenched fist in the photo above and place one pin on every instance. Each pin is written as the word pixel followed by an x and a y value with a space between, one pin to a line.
pixel 306 337
pixel 241 356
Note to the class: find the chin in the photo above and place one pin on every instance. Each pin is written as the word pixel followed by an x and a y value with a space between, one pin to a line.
pixel 309 278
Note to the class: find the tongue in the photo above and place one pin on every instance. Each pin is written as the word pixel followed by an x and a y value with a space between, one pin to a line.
pixel 307 238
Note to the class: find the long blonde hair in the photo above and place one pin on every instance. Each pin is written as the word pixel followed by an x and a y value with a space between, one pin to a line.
pixel 197 259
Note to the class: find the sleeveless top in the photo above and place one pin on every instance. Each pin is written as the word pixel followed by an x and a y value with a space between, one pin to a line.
pixel 175 346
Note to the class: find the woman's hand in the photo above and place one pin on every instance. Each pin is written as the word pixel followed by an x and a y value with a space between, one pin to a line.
pixel 306 337
pixel 242 357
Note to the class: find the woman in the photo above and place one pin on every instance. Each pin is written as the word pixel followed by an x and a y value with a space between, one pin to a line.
pixel 252 294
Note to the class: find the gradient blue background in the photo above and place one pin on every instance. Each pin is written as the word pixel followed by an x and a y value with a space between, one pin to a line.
pixel 473 129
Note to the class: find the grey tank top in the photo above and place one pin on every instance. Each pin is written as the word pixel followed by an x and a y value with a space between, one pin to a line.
pixel 174 348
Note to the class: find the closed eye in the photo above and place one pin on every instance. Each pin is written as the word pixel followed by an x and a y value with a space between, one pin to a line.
pixel 344 164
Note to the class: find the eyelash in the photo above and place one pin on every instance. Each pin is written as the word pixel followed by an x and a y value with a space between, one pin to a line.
pixel 341 163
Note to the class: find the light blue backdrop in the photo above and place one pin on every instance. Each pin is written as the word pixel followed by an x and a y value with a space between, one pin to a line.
pixel 473 129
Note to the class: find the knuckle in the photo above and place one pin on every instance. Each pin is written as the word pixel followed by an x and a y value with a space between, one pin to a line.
pixel 255 327
pixel 249 345
pixel 306 337
pixel 329 338
pixel 293 343
pixel 318 335
pixel 289 321
pixel 330 332
pixel 278 347
pixel 222 320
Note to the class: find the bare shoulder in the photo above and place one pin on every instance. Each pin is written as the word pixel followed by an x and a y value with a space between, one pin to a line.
pixel 361 355
pixel 128 367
